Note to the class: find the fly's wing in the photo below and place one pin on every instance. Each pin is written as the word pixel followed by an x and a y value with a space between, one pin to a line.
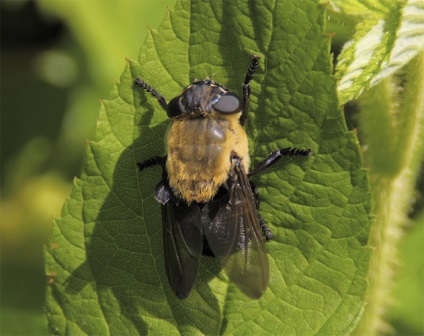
pixel 183 243
pixel 232 229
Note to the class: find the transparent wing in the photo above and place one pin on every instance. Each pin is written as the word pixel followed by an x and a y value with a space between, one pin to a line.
pixel 232 229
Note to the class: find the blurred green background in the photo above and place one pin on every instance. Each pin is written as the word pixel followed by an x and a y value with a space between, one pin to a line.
pixel 58 58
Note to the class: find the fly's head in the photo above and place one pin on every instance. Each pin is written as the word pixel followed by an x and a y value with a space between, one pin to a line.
pixel 203 98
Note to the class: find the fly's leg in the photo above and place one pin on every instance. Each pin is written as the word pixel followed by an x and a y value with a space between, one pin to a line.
pixel 270 160
pixel 255 192
pixel 163 192
pixel 157 160
pixel 265 229
pixel 275 156
pixel 246 87
pixel 154 93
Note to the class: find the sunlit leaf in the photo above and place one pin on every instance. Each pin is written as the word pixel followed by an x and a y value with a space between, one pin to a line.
pixel 107 248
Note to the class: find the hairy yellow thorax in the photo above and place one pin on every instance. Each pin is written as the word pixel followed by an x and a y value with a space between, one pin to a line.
pixel 199 152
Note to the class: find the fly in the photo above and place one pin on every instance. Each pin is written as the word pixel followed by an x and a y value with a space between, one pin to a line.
pixel 209 206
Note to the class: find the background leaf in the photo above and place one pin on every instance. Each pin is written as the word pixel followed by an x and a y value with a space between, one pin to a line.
pixel 106 251
pixel 391 117
pixel 388 35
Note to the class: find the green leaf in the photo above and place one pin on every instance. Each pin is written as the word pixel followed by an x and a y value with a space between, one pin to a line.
pixel 388 35
pixel 106 251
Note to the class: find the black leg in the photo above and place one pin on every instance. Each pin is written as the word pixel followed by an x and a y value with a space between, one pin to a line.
pixel 157 160
pixel 246 87
pixel 265 229
pixel 275 156
pixel 255 192
pixel 154 93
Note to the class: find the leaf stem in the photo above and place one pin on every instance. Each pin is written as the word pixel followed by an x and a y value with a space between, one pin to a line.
pixel 392 123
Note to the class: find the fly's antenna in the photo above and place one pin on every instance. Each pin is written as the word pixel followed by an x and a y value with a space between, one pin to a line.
pixel 154 93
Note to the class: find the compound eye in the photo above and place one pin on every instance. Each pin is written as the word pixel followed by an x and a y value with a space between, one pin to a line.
pixel 175 108
pixel 228 103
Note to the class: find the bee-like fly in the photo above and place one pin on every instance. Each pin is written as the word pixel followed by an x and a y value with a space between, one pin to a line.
pixel 209 206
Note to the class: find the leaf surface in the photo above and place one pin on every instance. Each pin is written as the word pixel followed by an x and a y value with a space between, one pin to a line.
pixel 107 248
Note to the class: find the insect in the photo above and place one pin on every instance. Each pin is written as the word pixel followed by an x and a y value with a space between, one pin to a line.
pixel 209 206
